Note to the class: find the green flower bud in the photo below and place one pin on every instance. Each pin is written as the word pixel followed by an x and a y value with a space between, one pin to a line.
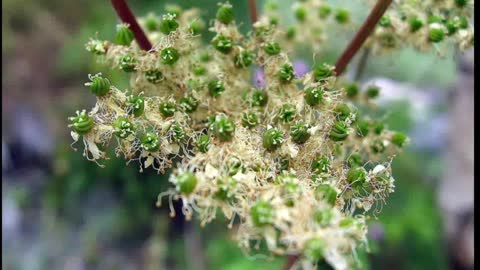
pixel 342 16
pixel 399 139
pixel 272 139
pixel 434 19
pixel 262 213
pixel 128 62
pixel 168 108
pixel 196 27
pixel 274 21
pixel 347 222
pixel 415 24
pixel 225 14
pixel 223 44
pixel 99 85
pixel 290 188
pixel 301 14
pixel 154 76
pixel 377 146
pixel 314 249
pixel 286 73
pixel 123 127
pixel 124 35
pixel 342 111
pixel 356 176
pixel 373 92
pixel 151 22
pixel 313 96
pixel 168 24
pixel 272 48
pixel 388 40
pixel 243 59
pixel 136 104
pixel 186 183
pixel 287 112
pixel 226 189
pixel 463 22
pixel 234 166
pixel 82 123
pixel 205 57
pixel 199 70
pixel 178 133
pixel 223 128
pixel 452 27
pixel 271 5
pixel 174 10
pixel 150 142
pixel 322 72
pixel 378 127
pixel 324 11
pixel 203 143
pixel 291 32
pixel 98 47
pixel 461 3
pixel 189 104
pixel 326 193
pixel 215 88
pixel 194 84
pixel 299 133
pixel 169 56
pixel 385 21
pixel 436 34
pixel 323 217
pixel 339 131
pixel 249 119
pixel 259 98
pixel 320 165
pixel 363 127
pixel 354 160
pixel 352 90
pixel 285 177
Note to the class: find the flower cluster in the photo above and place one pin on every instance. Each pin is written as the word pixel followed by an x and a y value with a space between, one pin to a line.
pixel 294 163
pixel 425 25
pixel 312 17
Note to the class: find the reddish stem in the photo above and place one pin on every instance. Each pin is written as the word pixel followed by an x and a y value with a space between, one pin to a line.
pixel 362 34
pixel 252 7
pixel 290 261
pixel 127 16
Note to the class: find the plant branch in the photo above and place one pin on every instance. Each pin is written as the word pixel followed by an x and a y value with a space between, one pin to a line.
pixel 252 7
pixel 362 64
pixel 126 15
pixel 290 261
pixel 362 34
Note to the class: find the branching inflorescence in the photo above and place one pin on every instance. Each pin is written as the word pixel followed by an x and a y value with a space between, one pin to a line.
pixel 294 162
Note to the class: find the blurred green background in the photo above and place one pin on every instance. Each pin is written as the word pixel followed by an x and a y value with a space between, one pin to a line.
pixel 63 212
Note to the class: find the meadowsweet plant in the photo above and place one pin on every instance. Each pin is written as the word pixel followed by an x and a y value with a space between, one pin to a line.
pixel 293 163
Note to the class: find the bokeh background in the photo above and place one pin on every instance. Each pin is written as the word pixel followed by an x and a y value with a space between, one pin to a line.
pixel 60 211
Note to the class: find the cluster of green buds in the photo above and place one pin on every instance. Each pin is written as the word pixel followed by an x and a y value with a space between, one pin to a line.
pixel 425 25
pixel 295 162
pixel 312 19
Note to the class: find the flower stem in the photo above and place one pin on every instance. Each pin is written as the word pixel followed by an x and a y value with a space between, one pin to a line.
pixel 290 261
pixel 252 7
pixel 362 64
pixel 362 34
pixel 126 15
